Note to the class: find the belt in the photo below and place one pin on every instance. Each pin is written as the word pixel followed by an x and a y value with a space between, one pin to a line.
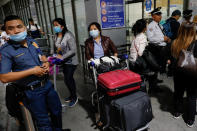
pixel 39 84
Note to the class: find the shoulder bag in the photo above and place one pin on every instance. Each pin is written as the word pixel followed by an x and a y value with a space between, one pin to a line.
pixel 150 60
pixel 187 62
pixel 140 63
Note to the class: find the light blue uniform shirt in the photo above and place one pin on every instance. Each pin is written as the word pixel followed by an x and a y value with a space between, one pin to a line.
pixel 98 50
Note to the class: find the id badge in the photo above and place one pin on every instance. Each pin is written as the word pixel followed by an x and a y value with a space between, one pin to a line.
pixel 40 57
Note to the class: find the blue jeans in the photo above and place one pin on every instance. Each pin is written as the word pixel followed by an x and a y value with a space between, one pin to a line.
pixel 40 102
pixel 68 71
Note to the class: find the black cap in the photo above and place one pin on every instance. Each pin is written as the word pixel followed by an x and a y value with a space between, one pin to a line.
pixel 156 11
pixel 187 13
pixel 176 12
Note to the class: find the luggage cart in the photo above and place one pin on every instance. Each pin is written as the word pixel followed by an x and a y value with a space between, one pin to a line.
pixel 95 74
pixel 95 97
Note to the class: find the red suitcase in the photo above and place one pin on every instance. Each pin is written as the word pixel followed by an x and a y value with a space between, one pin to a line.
pixel 119 81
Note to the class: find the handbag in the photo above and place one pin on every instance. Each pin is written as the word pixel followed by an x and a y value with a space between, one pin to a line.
pixel 187 62
pixel 105 66
pixel 150 60
pixel 140 63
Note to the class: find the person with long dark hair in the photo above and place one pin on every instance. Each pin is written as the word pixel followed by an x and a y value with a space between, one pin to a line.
pixel 67 51
pixel 139 42
pixel 138 62
pixel 183 81
pixel 98 45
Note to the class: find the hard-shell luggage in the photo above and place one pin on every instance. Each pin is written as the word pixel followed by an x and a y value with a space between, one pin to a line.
pixel 119 82
pixel 131 112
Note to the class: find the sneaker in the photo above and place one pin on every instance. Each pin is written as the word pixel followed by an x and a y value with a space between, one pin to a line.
pixel 177 115
pixel 190 123
pixel 68 99
pixel 73 103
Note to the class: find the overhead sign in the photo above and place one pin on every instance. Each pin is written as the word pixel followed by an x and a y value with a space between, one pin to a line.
pixel 112 13
pixel 148 5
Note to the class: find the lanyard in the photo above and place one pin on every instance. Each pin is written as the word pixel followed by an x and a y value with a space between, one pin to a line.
pixel 161 29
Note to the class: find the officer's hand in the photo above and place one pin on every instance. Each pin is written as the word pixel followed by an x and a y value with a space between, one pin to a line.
pixel 169 40
pixel 168 61
pixel 39 71
pixel 166 38
pixel 46 66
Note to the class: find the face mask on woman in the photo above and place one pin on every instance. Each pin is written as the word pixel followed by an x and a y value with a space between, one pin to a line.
pixel 94 33
pixel 57 29
pixel 19 37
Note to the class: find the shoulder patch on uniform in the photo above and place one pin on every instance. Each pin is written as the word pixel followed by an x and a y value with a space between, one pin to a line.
pixel 35 45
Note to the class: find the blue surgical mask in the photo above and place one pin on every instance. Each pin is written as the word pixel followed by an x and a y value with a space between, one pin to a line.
pixel 57 29
pixel 94 33
pixel 19 37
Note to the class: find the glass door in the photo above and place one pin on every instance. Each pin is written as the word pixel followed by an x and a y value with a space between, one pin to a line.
pixel 134 11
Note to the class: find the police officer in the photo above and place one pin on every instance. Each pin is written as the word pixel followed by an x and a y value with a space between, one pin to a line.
pixel 22 62
pixel 187 15
pixel 157 41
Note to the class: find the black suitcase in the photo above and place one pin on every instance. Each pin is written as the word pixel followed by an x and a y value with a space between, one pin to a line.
pixel 131 112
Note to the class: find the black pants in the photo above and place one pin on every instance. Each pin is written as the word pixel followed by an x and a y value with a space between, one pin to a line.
pixel 161 54
pixel 68 71
pixel 152 80
pixel 184 83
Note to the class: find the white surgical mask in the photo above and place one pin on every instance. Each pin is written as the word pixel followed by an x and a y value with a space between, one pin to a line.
pixel 19 37
pixel 94 33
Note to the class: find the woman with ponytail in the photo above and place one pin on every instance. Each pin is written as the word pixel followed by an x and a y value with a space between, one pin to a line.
pixel 67 51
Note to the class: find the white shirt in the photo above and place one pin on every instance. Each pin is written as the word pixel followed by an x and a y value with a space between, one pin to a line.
pixel 33 27
pixel 155 34
pixel 138 46
pixel 3 41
